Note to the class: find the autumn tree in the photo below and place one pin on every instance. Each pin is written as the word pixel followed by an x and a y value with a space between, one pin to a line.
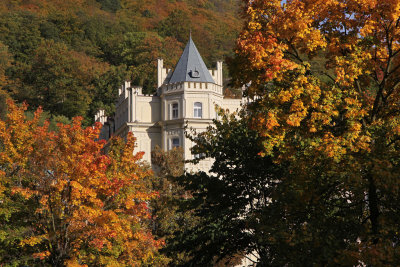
pixel 64 202
pixel 56 43
pixel 324 76
pixel 169 218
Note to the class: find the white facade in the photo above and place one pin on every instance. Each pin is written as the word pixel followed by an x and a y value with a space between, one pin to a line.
pixel 160 119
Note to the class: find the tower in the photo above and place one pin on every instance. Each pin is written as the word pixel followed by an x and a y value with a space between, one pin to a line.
pixel 188 97
pixel 185 96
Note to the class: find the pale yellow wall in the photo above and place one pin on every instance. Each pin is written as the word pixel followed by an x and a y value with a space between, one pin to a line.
pixel 202 87
pixel 149 117
pixel 168 101
pixel 203 165
pixel 147 137
pixel 208 100
pixel 231 104
pixel 121 114
pixel 146 109
pixel 191 99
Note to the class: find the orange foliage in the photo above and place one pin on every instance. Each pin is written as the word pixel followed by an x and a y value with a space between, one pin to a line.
pixel 87 207
pixel 324 75
pixel 357 44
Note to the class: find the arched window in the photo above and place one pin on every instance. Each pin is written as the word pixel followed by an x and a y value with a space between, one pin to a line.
pixel 174 111
pixel 198 110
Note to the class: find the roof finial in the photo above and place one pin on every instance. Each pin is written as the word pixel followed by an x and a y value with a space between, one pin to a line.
pixel 190 34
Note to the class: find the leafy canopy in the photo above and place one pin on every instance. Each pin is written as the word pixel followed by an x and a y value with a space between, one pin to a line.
pixel 232 200
pixel 64 202
pixel 50 40
pixel 324 76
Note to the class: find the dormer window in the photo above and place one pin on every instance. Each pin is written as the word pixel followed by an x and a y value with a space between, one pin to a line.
pixel 198 110
pixel 174 111
pixel 194 73
pixel 191 67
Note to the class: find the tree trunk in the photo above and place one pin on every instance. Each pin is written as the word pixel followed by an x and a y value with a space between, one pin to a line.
pixel 373 207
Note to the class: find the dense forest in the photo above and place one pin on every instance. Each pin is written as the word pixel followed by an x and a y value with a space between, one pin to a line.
pixel 69 56
pixel 306 174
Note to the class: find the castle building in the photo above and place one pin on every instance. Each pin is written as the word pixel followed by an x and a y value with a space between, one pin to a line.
pixel 185 96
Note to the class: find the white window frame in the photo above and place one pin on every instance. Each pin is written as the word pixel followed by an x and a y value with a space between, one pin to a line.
pixel 174 111
pixel 172 145
pixel 198 110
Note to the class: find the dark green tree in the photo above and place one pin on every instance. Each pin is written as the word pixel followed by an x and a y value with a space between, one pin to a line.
pixel 20 32
pixel 176 25
pixel 110 5
pixel 60 80
pixel 252 207
pixel 106 90
pixel 140 51
pixel 168 218
pixel 233 200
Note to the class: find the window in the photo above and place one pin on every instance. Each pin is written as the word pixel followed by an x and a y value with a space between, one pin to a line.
pixel 174 111
pixel 197 111
pixel 175 142
pixel 199 156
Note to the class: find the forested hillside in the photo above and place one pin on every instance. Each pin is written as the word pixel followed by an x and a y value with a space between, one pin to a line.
pixel 69 56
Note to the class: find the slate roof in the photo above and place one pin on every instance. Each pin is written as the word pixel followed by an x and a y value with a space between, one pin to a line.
pixel 191 67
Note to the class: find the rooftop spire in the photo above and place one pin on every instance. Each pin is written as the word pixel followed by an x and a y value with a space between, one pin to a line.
pixel 191 67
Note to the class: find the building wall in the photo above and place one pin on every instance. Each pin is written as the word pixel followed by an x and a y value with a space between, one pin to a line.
pixel 146 109
pixel 150 117
pixel 148 137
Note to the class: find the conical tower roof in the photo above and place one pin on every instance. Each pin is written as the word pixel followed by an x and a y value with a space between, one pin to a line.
pixel 191 67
